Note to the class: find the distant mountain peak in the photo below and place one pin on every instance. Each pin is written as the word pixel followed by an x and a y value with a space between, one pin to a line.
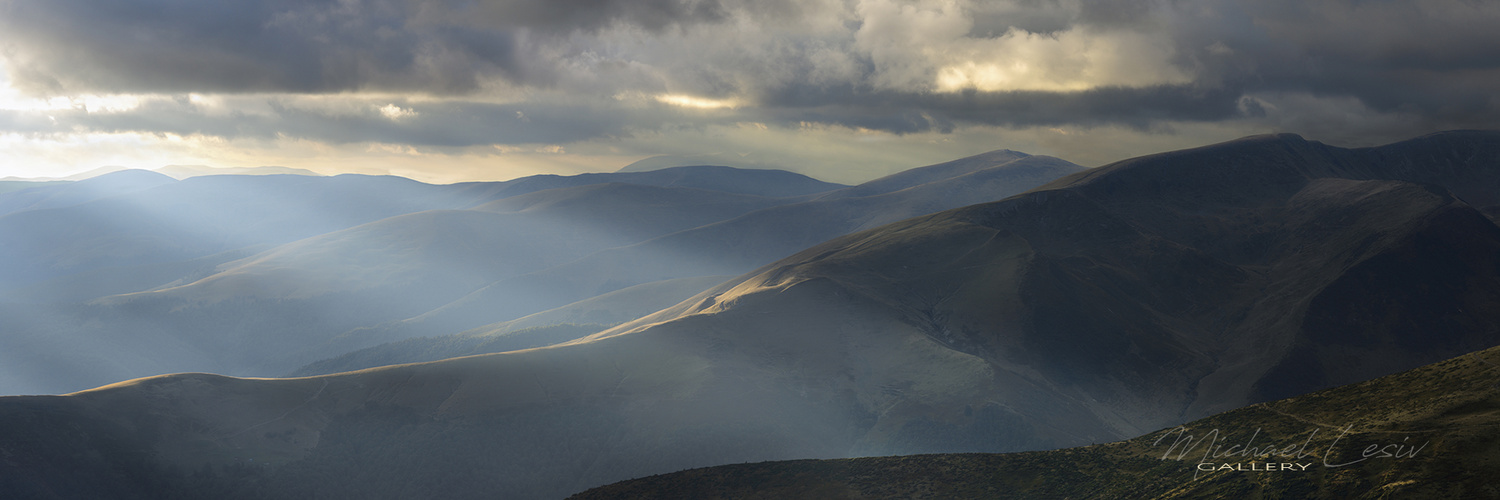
pixel 1002 152
pixel 68 193
pixel 660 162
pixel 931 173
pixel 184 171
pixel 129 173
pixel 73 177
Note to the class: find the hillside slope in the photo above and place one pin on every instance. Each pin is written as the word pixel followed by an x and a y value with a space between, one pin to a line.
pixel 58 195
pixel 1109 304
pixel 743 243
pixel 1434 430
pixel 553 326
pixel 140 281
pixel 294 300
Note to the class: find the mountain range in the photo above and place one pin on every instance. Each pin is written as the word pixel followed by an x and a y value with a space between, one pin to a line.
pixel 178 172
pixel 1104 305
pixel 742 243
pixel 256 276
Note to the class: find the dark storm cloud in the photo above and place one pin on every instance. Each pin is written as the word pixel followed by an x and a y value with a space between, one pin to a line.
pixel 1387 68
pixel 653 15
pixel 71 46
pixel 435 46
pixel 1436 63
pixel 1323 68
pixel 908 112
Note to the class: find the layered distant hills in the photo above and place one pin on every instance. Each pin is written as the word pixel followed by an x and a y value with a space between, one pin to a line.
pixel 1101 306
pixel 174 171
pixel 133 273
pixel 739 244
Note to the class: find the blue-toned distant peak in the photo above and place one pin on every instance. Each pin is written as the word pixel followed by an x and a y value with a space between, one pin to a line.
pixel 127 177
pixel 669 161
pixel 768 183
pixel 186 171
pixel 63 195
pixel 760 182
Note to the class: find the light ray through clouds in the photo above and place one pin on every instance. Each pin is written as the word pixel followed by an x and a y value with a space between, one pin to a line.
pixel 449 91
pixel 222 273
pixel 169 236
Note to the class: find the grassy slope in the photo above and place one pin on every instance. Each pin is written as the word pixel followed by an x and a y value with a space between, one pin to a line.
pixel 552 326
pixel 835 352
pixel 1442 418
pixel 740 244
pixel 423 349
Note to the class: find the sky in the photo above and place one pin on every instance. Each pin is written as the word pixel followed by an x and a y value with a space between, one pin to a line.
pixel 843 90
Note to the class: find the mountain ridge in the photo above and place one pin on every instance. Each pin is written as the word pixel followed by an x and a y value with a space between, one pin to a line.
pixel 114 267
pixel 739 244
pixel 1448 407
pixel 1065 315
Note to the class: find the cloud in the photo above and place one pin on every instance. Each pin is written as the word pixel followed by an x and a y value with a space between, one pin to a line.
pixel 430 123
pixel 535 73
pixel 310 46
pixel 1437 59
pixel 69 46
pixel 929 46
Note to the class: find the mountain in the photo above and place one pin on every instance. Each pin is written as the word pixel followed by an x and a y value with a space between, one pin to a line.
pixel 11 186
pixel 84 286
pixel 1432 429
pixel 294 300
pixel 135 218
pixel 771 183
pixel 614 307
pixel 68 194
pixel 740 244
pixel 424 349
pixel 435 253
pixel 659 162
pixel 1107 304
pixel 1183 284
pixel 166 264
pixel 180 172
pixel 931 173
pixel 553 326
pixel 181 220
pixel 95 172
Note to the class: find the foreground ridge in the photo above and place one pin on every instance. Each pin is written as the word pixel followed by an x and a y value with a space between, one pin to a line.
pixel 1432 432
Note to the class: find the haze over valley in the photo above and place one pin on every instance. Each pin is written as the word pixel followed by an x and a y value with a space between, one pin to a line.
pixel 313 267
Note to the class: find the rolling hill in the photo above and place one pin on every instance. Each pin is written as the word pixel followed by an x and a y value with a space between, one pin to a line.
pixel 181 220
pixel 1105 305
pixel 757 182
pixel 743 243
pixel 64 194
pixel 7 186
pixel 297 260
pixel 180 172
pixel 134 217
pixel 553 326
pixel 1434 430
